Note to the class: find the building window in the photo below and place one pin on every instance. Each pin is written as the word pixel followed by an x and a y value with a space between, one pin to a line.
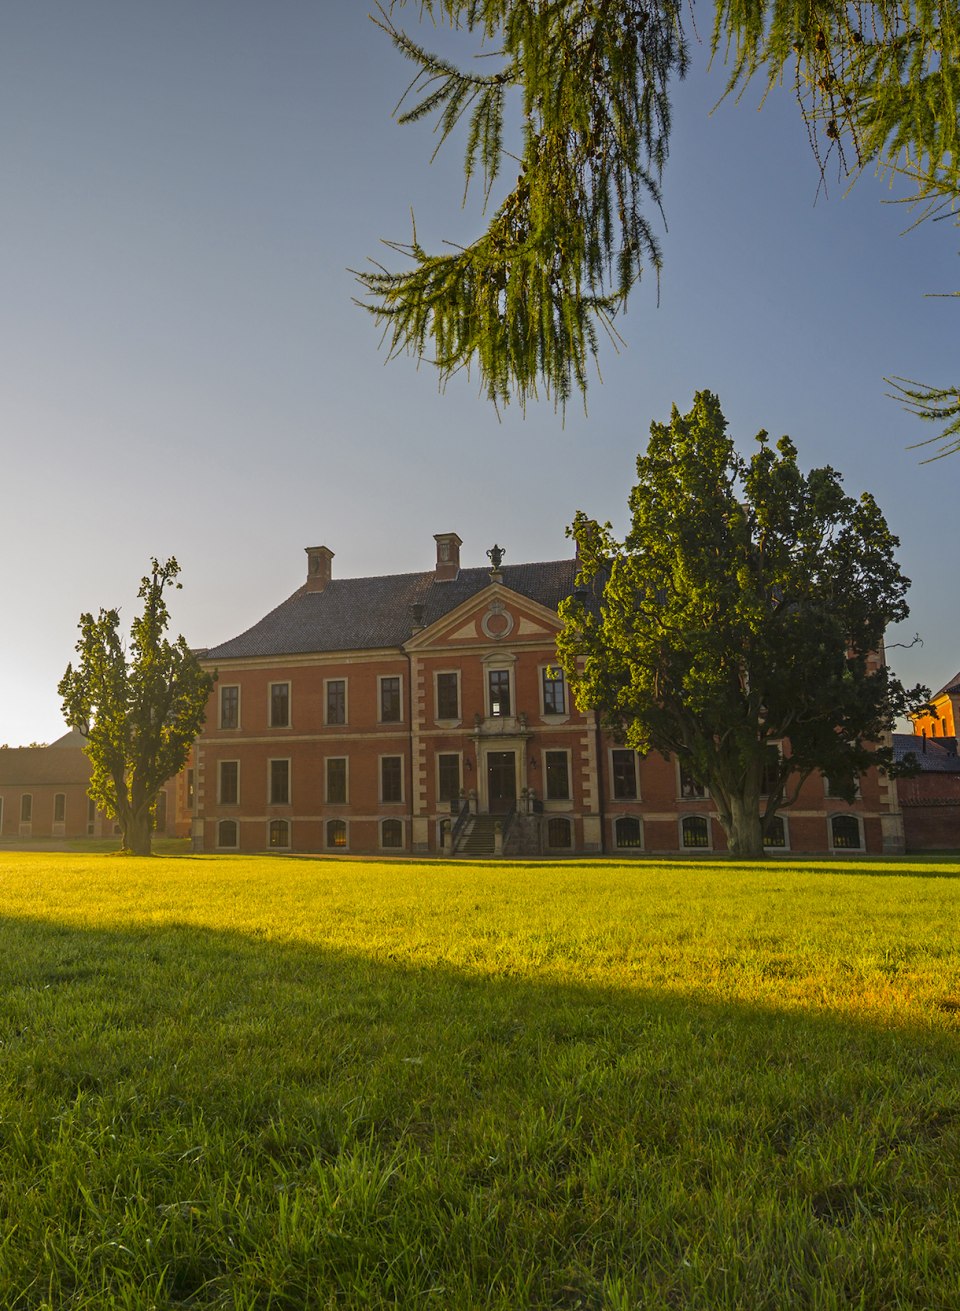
pixel 448 696
pixel 337 781
pixel 558 775
pixel 559 833
pixel 26 808
pixel 448 777
pixel 279 833
pixel 279 705
pixel 770 781
pixel 689 786
pixel 391 833
pixel 390 700
pixel 695 832
pixel 228 792
pixel 391 778
pixel 845 833
pixel 554 691
pixel 59 808
pixel 336 701
pixel 1 814
pixel 831 789
pixel 279 782
pixel 91 815
pixel 775 834
pixel 230 707
pixel 227 834
pixel 336 832
pixel 159 816
pixel 190 790
pixel 623 766
pixel 498 686
pixel 628 832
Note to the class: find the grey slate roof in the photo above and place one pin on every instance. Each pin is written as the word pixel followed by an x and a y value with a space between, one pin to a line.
pixel 372 613
pixel 936 759
pixel 951 687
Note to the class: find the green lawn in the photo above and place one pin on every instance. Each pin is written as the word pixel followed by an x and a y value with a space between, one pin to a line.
pixel 281 1083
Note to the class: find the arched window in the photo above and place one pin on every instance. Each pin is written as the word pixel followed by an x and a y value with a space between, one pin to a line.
pixel 279 833
pixel 845 833
pixel 776 833
pixel 336 832
pixel 558 833
pixel 227 833
pixel 695 832
pixel 627 832
pixel 391 833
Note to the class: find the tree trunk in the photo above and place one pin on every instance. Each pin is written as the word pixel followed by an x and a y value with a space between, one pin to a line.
pixel 744 831
pixel 138 834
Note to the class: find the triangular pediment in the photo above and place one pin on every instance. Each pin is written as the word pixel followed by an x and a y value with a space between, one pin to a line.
pixel 491 617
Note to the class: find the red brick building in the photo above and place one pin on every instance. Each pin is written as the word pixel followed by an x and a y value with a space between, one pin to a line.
pixel 422 713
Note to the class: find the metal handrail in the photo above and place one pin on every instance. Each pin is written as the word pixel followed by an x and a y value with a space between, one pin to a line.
pixel 460 823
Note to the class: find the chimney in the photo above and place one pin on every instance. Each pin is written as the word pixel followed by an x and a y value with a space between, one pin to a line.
pixel 448 557
pixel 318 567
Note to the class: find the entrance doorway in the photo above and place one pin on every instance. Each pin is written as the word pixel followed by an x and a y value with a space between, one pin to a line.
pixel 501 781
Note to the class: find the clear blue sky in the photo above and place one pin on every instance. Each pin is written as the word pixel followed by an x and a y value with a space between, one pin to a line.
pixel 185 188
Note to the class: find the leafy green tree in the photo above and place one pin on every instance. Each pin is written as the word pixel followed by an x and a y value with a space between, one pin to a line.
pixel 141 712
pixel 527 303
pixel 744 611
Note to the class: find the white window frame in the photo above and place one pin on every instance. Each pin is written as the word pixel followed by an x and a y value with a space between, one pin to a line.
pixel 680 794
pixel 220 800
pixel 392 819
pixel 615 820
pixel 381 678
pixel 221 846
pixel 436 766
pixel 280 682
pixel 270 763
pixel 346 781
pixel 559 751
pixel 447 719
pixel 636 774
pixel 786 834
pixel 346 702
pixel 391 755
pixel 220 692
pixel 331 846
pixel 568 820
pixel 695 814
pixel 846 814
pixel 551 716
pixel 286 846
pixel 834 796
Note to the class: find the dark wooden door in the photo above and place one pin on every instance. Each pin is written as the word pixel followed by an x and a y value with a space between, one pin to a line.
pixel 501 780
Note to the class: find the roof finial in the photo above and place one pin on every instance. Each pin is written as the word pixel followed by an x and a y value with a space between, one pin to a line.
pixel 495 556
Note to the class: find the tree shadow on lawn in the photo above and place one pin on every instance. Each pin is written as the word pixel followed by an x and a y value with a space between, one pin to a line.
pixel 207 1119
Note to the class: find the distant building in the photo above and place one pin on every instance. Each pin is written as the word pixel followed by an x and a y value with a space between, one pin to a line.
pixel 43 795
pixel 931 799
pixel 423 713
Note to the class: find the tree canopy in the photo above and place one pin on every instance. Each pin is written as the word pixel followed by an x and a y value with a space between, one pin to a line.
pixel 141 712
pixel 527 302
pixel 743 612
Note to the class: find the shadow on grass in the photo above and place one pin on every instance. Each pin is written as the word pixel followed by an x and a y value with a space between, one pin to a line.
pixel 207 1119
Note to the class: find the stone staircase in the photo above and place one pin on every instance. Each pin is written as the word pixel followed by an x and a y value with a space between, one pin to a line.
pixel 478 839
